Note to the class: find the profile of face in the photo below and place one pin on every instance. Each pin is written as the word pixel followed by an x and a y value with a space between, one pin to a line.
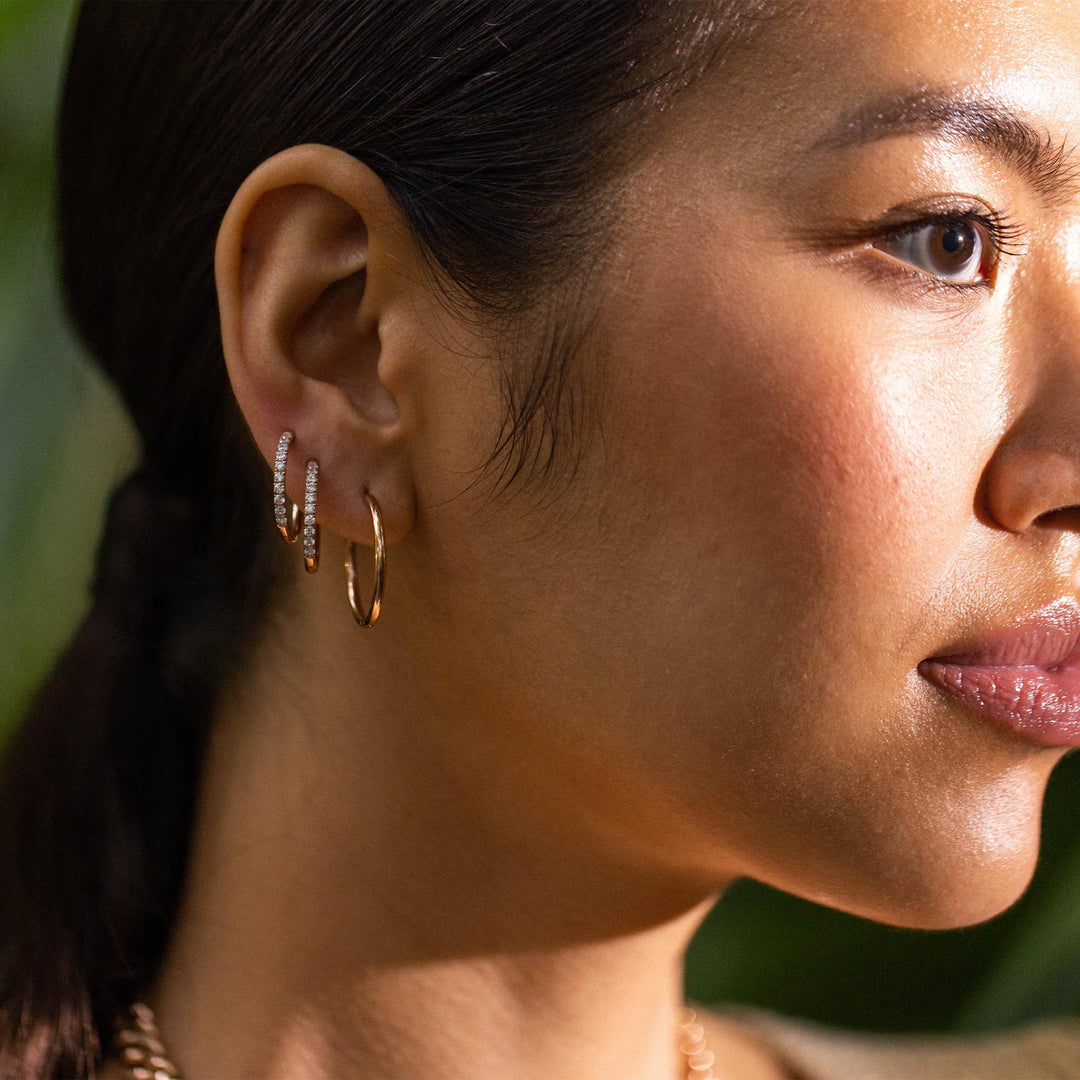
pixel 830 416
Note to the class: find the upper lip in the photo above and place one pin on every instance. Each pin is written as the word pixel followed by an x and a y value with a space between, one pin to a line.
pixel 1048 637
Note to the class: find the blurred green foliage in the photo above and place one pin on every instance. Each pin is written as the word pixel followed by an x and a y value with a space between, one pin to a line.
pixel 64 440
pixel 65 443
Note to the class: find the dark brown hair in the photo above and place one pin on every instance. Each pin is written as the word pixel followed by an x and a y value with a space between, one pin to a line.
pixel 497 127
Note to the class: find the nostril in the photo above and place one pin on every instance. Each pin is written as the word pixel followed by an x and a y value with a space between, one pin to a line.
pixel 1061 517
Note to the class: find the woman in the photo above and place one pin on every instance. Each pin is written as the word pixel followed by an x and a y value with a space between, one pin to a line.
pixel 704 379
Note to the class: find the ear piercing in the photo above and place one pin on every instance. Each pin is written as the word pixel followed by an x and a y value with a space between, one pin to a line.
pixel 287 519
pixel 287 513
pixel 311 526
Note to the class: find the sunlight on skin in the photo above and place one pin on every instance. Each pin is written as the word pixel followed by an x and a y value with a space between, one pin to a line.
pixel 478 840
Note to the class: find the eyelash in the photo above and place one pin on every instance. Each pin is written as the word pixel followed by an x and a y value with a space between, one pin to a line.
pixel 1001 232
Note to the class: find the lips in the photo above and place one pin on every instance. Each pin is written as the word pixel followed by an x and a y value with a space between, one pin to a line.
pixel 1025 676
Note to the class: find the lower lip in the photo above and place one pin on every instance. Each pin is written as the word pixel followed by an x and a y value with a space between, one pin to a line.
pixel 1040 704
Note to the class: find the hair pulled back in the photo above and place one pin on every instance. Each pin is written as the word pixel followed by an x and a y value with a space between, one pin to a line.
pixel 496 126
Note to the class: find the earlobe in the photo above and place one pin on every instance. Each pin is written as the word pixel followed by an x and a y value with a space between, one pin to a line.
pixel 308 265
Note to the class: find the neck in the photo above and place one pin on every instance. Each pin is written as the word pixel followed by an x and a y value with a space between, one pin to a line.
pixel 378 890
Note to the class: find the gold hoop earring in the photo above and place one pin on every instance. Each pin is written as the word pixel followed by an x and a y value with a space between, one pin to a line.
pixel 287 520
pixel 368 618
pixel 311 526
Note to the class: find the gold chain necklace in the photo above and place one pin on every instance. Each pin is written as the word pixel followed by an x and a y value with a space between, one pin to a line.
pixel 143 1053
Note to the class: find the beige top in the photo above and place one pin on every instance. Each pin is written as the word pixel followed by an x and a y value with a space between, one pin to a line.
pixel 1046 1050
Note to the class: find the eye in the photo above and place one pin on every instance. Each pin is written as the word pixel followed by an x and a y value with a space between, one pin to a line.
pixel 961 250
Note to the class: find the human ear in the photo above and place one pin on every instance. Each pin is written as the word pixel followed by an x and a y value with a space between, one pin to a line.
pixel 317 274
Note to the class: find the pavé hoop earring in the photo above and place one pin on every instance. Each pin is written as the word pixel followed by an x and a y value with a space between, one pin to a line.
pixel 367 618
pixel 286 513
pixel 311 526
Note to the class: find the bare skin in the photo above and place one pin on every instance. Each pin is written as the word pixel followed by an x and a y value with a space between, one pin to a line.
pixel 475 841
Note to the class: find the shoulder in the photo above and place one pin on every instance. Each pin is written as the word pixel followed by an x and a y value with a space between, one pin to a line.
pixel 1045 1050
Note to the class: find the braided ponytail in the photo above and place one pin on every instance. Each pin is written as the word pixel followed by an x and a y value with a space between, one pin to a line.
pixel 97 788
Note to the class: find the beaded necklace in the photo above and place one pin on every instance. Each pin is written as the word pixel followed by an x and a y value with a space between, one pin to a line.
pixel 143 1052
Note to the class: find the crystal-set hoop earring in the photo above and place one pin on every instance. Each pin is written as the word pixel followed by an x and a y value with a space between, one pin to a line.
pixel 367 618
pixel 311 526
pixel 286 513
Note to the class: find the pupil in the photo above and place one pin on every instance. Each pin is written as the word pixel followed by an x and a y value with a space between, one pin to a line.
pixel 952 241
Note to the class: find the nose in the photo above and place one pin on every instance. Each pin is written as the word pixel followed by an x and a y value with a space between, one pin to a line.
pixel 1034 476
pixel 1030 483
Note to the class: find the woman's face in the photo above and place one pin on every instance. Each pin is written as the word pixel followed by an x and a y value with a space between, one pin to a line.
pixel 827 416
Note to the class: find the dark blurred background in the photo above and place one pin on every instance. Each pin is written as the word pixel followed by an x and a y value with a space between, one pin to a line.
pixel 64 442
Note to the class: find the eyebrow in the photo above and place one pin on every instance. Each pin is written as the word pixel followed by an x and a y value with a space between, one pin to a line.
pixel 1050 167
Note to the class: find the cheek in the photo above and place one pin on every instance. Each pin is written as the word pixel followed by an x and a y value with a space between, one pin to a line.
pixel 808 472
pixel 797 433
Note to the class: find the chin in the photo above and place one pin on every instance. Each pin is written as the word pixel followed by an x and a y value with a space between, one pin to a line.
pixel 949 866
pixel 966 879
pixel 974 899
pixel 934 901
